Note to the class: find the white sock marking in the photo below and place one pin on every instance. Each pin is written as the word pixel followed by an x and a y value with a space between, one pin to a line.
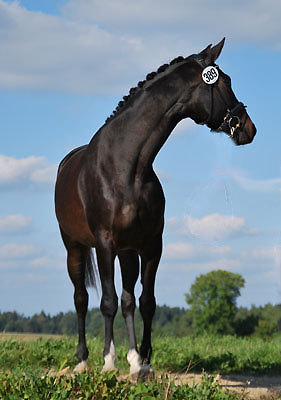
pixel 134 360
pixel 109 359
pixel 82 366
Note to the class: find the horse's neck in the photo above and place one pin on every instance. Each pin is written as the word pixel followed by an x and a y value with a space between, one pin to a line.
pixel 158 136
pixel 139 132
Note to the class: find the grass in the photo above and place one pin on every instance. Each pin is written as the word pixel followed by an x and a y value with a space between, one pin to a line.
pixel 214 354
pixel 25 361
pixel 225 354
pixel 106 386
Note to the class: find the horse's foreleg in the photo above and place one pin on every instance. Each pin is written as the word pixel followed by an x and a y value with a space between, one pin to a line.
pixel 109 301
pixel 150 261
pixel 129 262
pixel 76 261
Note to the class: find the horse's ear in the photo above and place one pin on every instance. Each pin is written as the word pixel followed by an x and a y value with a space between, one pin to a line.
pixel 216 50
pixel 205 51
pixel 210 54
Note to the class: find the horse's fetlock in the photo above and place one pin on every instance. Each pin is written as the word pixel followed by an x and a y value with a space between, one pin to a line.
pixel 82 353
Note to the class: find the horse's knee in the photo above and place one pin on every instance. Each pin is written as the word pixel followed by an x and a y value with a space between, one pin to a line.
pixel 109 306
pixel 128 303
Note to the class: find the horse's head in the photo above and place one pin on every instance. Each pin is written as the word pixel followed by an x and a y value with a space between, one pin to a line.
pixel 213 101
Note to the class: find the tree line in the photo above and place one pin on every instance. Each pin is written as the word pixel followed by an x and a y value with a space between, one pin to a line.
pixel 212 310
pixel 168 321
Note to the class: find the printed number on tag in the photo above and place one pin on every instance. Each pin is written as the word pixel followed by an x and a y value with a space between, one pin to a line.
pixel 210 75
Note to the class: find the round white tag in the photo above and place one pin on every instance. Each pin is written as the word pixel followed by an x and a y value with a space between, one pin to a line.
pixel 210 75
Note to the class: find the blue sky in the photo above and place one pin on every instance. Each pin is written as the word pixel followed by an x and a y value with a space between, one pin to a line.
pixel 64 67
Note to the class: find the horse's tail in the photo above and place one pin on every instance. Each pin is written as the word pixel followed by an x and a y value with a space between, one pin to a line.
pixel 91 271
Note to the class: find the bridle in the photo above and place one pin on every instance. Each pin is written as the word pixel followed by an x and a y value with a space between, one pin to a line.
pixel 232 118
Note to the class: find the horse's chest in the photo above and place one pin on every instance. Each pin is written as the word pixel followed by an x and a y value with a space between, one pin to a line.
pixel 125 217
pixel 135 224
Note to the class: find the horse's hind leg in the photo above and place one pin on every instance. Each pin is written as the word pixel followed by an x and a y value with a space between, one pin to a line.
pixel 129 262
pixel 76 263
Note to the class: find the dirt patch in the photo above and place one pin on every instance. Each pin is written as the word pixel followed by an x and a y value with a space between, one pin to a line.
pixel 257 387
pixel 248 386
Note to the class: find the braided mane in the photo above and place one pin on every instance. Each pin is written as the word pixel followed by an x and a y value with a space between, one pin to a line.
pixel 133 90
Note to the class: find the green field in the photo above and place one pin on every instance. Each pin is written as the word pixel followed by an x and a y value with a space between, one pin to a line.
pixel 26 360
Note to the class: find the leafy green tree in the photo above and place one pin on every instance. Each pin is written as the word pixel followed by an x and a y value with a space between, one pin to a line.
pixel 212 301
pixel 246 321
pixel 265 329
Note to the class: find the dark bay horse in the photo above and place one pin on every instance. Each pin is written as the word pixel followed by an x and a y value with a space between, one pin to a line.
pixel 108 196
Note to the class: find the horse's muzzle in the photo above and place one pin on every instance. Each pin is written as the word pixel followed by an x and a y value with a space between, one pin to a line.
pixel 246 135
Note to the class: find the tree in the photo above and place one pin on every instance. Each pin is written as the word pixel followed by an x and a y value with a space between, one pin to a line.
pixel 246 321
pixel 212 301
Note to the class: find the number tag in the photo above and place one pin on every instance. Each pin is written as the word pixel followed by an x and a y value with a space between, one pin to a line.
pixel 210 75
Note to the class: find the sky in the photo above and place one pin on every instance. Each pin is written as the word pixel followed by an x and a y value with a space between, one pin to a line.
pixel 65 64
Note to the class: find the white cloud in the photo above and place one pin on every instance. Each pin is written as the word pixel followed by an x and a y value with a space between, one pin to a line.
pixel 50 52
pixel 183 250
pixel 17 251
pixel 44 174
pixel 258 19
pixel 263 254
pixel 14 223
pixel 179 250
pixel 30 169
pixel 216 226
pixel 201 267
pixel 212 227
pixel 51 263
pixel 40 261
pixel 98 47
pixel 259 185
pixel 270 185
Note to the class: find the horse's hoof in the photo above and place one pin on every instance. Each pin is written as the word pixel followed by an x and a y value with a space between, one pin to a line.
pixel 64 372
pixel 108 369
pixel 145 374
pixel 81 367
